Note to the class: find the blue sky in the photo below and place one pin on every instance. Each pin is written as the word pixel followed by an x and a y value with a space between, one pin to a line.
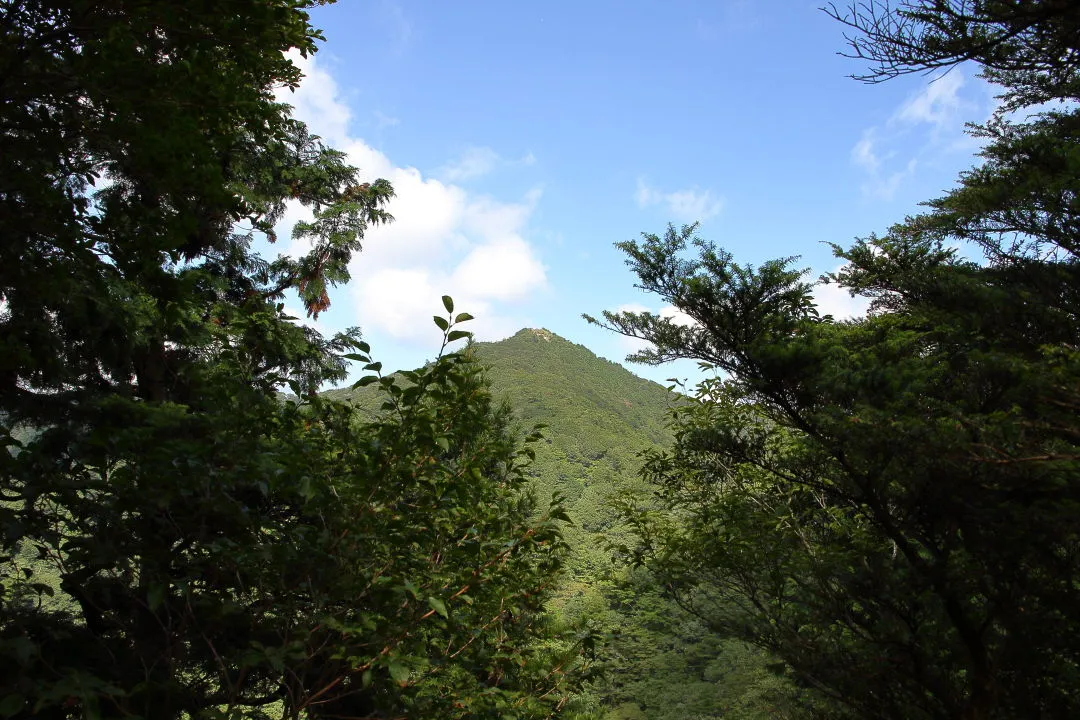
pixel 525 139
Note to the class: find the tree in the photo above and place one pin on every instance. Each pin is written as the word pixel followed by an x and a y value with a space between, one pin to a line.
pixel 889 503
pixel 179 539
pixel 1027 48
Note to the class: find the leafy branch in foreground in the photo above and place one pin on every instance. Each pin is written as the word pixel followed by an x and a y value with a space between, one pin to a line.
pixel 176 539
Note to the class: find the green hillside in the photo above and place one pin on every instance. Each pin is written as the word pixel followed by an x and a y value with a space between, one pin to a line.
pixel 657 663
pixel 598 416
pixel 549 378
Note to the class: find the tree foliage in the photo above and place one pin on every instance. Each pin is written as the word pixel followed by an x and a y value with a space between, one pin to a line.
pixel 1027 48
pixel 178 539
pixel 889 503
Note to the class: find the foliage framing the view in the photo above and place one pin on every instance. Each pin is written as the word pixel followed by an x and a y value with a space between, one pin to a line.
pixel 889 503
pixel 178 539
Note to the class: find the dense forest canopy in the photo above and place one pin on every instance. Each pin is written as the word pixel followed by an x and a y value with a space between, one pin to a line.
pixel 869 517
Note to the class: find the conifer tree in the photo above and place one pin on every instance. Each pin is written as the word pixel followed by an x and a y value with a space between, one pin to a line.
pixel 889 503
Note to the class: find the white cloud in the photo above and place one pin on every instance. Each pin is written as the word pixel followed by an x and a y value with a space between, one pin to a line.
pixel 444 240
pixel 878 182
pixel 928 122
pixel 383 121
pixel 884 185
pixel 396 26
pixel 864 154
pixel 503 269
pixel 831 299
pixel 490 218
pixel 677 317
pixel 316 102
pixel 687 205
pixel 938 103
pixel 476 162
pixel 400 300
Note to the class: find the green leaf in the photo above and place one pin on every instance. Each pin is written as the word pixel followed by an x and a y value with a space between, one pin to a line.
pixel 11 705
pixel 442 323
pixel 375 366
pixel 443 443
pixel 365 381
pixel 42 588
pixel 22 648
pixel 155 596
pixel 399 673
pixel 448 303
pixel 438 606
pixel 462 317
pixel 365 679
pixel 457 335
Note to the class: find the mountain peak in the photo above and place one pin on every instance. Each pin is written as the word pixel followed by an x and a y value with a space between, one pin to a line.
pixel 580 396
pixel 541 333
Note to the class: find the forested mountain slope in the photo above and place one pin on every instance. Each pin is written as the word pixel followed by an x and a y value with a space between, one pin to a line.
pixel 598 414
pixel 658 663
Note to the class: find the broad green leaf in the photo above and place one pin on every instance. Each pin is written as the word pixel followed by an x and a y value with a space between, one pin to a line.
pixel 11 705
pixel 441 322
pixel 42 588
pixel 448 303
pixel 399 673
pixel 22 648
pixel 155 596
pixel 437 605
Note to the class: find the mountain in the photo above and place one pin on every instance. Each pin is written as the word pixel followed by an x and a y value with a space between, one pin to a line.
pixel 546 378
pixel 599 416
pixel 659 663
